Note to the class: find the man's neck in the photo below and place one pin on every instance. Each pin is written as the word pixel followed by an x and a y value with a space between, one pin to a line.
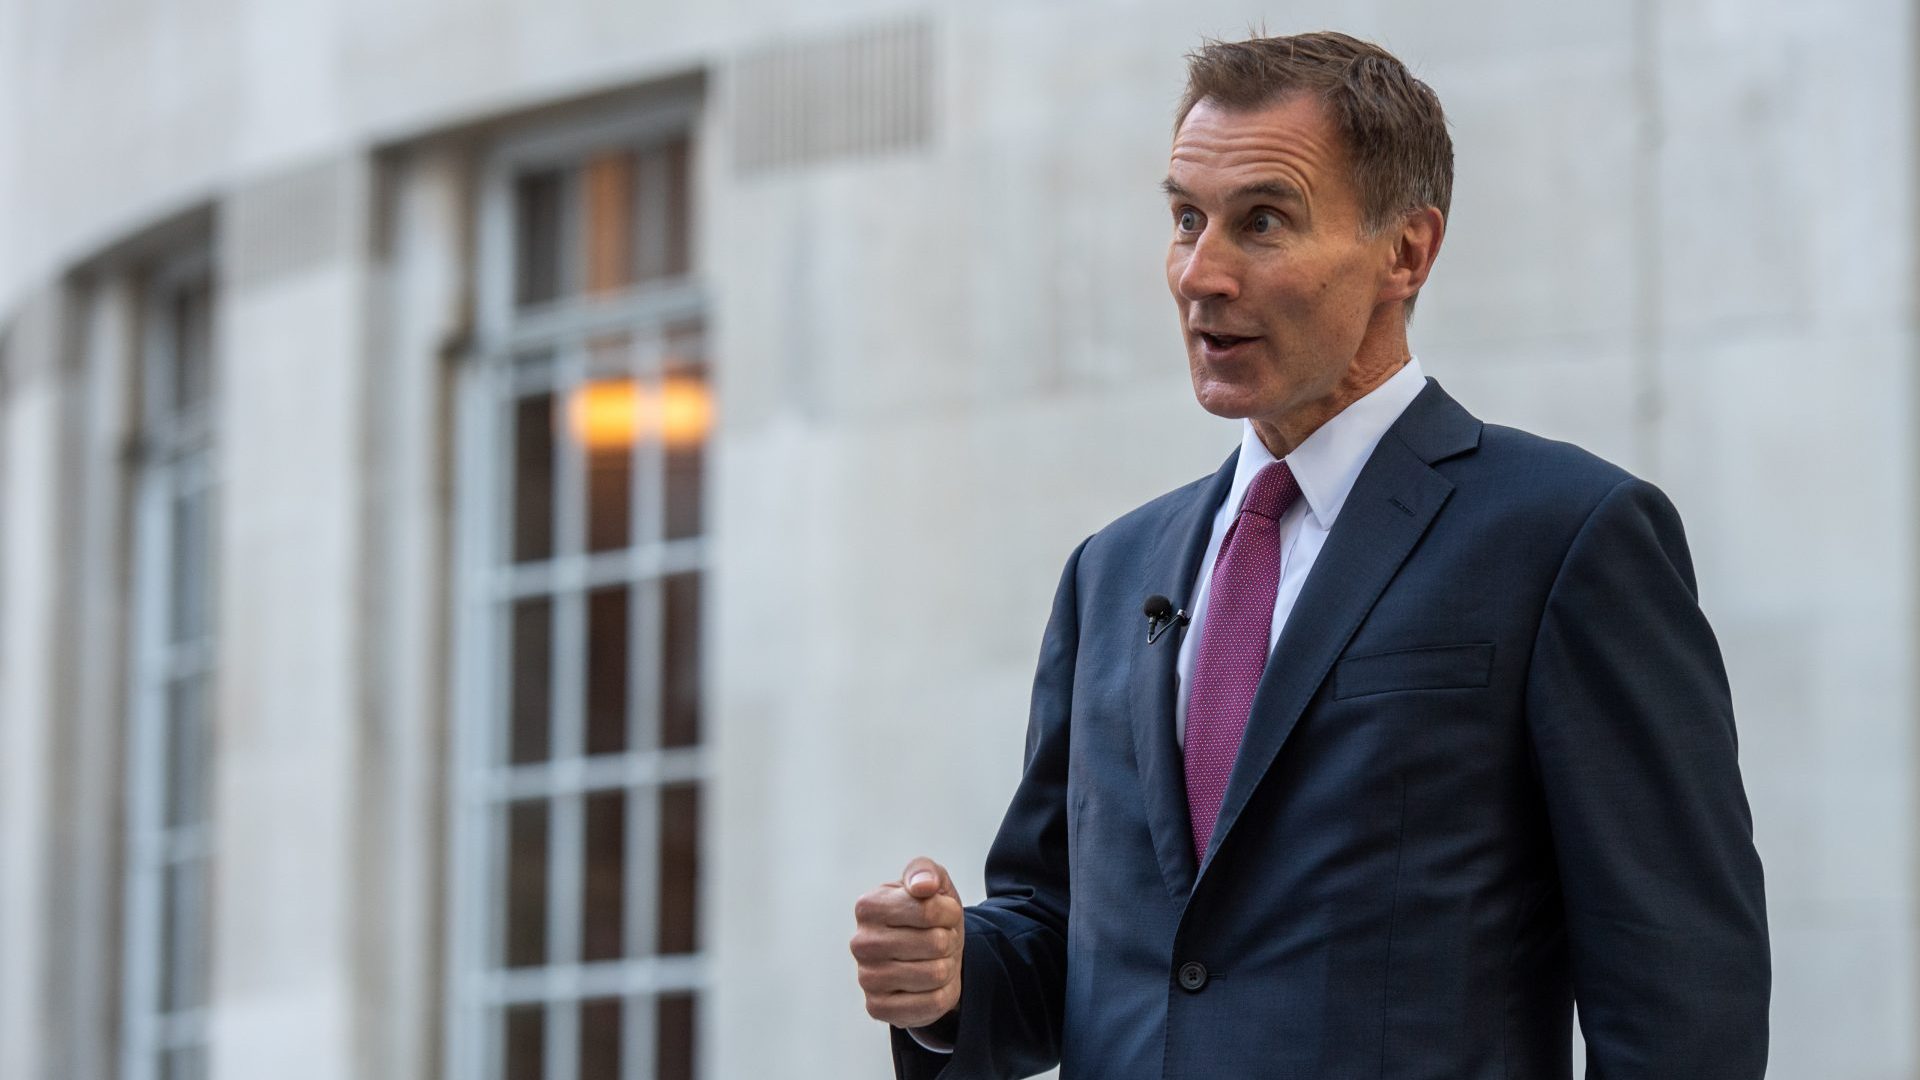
pixel 1281 436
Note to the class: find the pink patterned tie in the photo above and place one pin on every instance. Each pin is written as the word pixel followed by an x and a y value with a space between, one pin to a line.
pixel 1233 644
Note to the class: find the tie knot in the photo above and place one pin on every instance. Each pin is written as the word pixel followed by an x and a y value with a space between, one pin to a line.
pixel 1272 491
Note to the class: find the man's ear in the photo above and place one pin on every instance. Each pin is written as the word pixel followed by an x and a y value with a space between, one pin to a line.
pixel 1415 247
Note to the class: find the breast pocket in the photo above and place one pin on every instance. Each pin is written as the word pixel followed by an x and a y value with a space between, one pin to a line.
pixel 1437 667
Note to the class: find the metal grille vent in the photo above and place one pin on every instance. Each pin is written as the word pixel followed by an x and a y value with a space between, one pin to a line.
pixel 296 221
pixel 863 94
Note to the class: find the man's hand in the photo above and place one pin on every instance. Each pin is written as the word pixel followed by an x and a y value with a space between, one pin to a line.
pixel 909 945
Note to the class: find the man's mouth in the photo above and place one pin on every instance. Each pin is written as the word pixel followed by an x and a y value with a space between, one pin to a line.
pixel 1222 342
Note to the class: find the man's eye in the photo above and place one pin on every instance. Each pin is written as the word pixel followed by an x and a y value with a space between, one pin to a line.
pixel 1263 222
pixel 1189 221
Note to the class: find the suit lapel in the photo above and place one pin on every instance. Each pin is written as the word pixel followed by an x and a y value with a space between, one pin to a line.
pixel 1392 503
pixel 1171 570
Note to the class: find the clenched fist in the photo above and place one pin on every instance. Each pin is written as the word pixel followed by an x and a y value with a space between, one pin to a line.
pixel 908 946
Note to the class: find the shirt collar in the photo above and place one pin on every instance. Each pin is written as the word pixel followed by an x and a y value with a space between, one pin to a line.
pixel 1328 462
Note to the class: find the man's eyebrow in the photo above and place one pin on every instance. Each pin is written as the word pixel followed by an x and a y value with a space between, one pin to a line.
pixel 1270 189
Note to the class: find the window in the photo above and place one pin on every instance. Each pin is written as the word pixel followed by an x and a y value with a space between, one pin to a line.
pixel 171 696
pixel 577 936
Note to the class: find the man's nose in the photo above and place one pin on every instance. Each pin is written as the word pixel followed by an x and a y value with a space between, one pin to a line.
pixel 1211 271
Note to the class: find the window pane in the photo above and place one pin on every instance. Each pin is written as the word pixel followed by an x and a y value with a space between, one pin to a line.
pixel 687 420
pixel 187 747
pixel 189 536
pixel 606 419
pixel 531 675
pixel 609 225
pixel 604 892
pixel 679 206
pixel 192 345
pixel 663 210
pixel 679 868
pixel 685 343
pixel 687 400
pixel 524 1035
pixel 675 1059
pixel 600 1040
pixel 540 211
pixel 533 479
pixel 680 661
pixel 183 928
pixel 607 670
pixel 526 884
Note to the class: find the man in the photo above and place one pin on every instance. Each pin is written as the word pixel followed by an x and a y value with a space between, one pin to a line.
pixel 1446 745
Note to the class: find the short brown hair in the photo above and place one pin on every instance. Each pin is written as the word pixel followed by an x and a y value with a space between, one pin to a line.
pixel 1395 132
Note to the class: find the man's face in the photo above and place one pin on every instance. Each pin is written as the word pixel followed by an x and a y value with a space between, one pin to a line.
pixel 1274 277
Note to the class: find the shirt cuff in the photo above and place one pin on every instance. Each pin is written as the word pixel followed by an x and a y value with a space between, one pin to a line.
pixel 929 1041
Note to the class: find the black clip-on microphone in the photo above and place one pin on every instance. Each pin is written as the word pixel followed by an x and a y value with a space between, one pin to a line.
pixel 1160 615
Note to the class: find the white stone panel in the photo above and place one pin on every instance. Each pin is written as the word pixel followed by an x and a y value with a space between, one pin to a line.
pixel 290 711
pixel 29 485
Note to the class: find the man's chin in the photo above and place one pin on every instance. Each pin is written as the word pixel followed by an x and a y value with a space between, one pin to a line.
pixel 1226 402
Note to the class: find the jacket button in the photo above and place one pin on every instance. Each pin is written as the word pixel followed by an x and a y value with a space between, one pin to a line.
pixel 1193 976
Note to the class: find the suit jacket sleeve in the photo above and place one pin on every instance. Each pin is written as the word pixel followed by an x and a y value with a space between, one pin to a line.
pixel 1014 965
pixel 1632 724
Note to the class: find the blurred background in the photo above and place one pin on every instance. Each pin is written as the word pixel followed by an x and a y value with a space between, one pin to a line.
pixel 513 513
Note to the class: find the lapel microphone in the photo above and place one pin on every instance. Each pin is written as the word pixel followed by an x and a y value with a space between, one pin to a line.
pixel 1160 616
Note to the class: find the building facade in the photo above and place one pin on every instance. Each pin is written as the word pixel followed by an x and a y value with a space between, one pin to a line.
pixel 513 515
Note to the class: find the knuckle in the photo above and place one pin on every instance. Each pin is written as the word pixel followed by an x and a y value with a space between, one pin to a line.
pixel 940 940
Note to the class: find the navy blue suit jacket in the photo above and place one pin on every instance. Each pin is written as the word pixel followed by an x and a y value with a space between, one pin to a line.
pixel 1490 770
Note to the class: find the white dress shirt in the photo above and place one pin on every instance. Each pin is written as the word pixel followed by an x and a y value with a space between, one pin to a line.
pixel 1325 465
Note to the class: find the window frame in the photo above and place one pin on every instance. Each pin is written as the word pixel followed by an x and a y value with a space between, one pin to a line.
pixel 176 454
pixel 487 583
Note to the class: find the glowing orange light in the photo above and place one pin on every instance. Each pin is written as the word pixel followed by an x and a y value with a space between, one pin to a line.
pixel 613 414
pixel 686 411
pixel 605 415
